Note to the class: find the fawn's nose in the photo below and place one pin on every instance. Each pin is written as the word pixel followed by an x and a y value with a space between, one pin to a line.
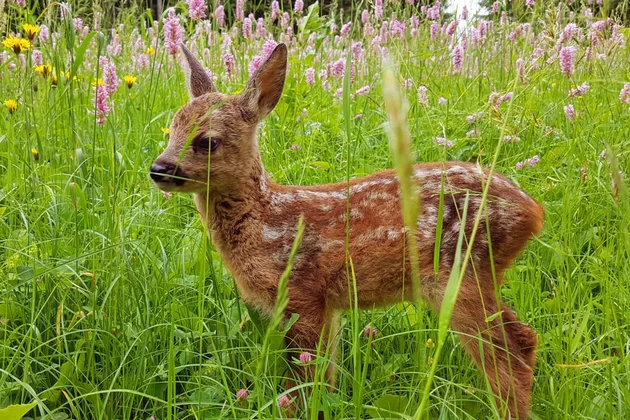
pixel 166 172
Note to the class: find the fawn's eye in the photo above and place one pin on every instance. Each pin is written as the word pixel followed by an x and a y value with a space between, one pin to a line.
pixel 202 143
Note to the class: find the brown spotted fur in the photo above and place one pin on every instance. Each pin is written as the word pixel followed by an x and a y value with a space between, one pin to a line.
pixel 252 223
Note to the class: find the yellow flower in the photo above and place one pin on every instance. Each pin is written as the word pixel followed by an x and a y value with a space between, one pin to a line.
pixel 98 82
pixel 11 105
pixel 16 44
pixel 429 343
pixel 130 80
pixel 45 70
pixel 553 84
pixel 35 154
pixel 30 30
pixel 150 50
pixel 166 130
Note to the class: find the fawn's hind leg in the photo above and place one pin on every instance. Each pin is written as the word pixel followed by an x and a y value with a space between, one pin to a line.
pixel 507 354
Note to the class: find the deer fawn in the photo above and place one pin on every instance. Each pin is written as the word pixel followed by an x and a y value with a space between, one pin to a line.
pixel 252 222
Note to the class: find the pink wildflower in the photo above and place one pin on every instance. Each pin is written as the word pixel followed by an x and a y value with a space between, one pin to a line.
pixel 423 95
pixel 378 10
pixel 247 28
pixel 240 9
pixel 530 3
pixel 242 394
pixel 580 90
pixel 345 29
pixel 275 10
pixel 268 48
pixel 435 27
pixel 465 13
pixel 495 7
pixel 219 15
pixel 44 33
pixel 110 79
pixel 298 7
pixel 100 104
pixel 442 100
pixel 255 64
pixel 624 94
pixel 365 16
pixel 310 76
pixel 38 59
pixel 173 32
pixel 458 59
pixel 363 91
pixel 442 141
pixel 338 68
pixel 230 64
pixel 196 9
pixel 473 118
pixel 567 56
pixel 531 162
pixel 306 358
pixel 569 111
pixel 511 139
pixel 284 402
pixel 370 332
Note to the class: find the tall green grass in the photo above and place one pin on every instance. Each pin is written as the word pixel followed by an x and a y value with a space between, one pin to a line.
pixel 114 304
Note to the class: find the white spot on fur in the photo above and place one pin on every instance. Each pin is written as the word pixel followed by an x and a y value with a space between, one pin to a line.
pixel 271 233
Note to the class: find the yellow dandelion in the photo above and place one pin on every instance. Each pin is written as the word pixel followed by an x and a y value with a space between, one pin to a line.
pixel 166 130
pixel 98 82
pixel 130 80
pixel 11 105
pixel 45 70
pixel 30 30
pixel 35 154
pixel 16 44
pixel 150 50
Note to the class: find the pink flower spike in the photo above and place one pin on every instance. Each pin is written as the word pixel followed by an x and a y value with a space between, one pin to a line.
pixel 298 8
pixel 567 57
pixel 310 76
pixel 173 32
pixel 196 9
pixel 624 94
pixel 569 111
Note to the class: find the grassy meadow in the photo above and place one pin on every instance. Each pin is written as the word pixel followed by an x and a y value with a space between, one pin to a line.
pixel 115 305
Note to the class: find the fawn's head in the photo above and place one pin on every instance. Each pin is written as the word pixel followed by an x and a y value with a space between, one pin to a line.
pixel 212 143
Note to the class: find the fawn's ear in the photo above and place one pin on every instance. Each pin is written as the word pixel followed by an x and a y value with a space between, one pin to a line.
pixel 197 80
pixel 264 88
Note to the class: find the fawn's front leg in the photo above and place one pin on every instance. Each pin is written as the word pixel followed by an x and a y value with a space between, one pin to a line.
pixel 316 327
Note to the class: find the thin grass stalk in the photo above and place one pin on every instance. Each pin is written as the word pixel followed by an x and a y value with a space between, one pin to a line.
pixel 400 145
pixel 282 300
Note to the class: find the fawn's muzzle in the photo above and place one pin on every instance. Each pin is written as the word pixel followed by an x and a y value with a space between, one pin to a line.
pixel 166 172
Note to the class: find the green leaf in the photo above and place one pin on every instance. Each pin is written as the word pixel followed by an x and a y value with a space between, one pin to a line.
pixel 312 21
pixel 16 412
pixel 321 165
pixel 80 54
pixel 493 316
pixel 390 403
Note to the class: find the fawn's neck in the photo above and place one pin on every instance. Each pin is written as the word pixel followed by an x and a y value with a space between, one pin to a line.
pixel 229 216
